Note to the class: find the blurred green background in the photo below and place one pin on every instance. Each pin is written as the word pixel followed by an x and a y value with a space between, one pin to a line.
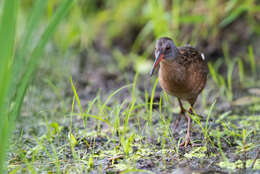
pixel 125 31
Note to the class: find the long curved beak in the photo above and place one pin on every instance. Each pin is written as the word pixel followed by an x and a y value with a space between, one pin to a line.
pixel 158 59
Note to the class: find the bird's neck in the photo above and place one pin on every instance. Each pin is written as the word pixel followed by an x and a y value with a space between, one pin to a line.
pixel 176 51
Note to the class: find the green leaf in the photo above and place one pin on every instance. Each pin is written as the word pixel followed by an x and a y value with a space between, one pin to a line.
pixel 234 15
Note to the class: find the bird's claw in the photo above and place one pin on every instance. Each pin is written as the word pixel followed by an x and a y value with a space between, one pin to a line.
pixel 186 142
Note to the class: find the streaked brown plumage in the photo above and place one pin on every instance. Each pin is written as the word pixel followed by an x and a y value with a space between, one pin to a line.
pixel 183 74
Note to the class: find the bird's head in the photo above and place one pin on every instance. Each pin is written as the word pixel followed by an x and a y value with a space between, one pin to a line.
pixel 164 49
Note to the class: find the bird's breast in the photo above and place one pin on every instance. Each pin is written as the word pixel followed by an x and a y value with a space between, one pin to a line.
pixel 173 78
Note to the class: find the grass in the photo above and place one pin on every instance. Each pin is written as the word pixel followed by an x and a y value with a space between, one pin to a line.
pixel 7 32
pixel 13 89
pixel 116 121
pixel 225 82
pixel 112 130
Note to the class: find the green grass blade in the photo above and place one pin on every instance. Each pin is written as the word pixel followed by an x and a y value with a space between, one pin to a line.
pixel 241 70
pixel 231 67
pixel 252 60
pixel 34 19
pixel 76 95
pixel 93 116
pixel 236 13
pixel 113 94
pixel 206 134
pixel 213 73
pixel 7 33
pixel 152 97
pixel 59 15
pixel 30 27
pixel 72 110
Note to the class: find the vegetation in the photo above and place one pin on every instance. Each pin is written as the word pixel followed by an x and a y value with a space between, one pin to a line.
pixel 76 97
pixel 16 72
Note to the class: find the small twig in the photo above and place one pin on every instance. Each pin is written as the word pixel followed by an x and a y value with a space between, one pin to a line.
pixel 256 157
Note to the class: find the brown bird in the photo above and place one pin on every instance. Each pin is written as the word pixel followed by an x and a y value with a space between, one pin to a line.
pixel 183 74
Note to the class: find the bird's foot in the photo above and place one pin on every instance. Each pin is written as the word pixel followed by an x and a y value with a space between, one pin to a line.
pixel 186 142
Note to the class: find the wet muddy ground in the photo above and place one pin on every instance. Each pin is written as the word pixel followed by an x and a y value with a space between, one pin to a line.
pixel 142 145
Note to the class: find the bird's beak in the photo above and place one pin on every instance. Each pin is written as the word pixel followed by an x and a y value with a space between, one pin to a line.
pixel 158 59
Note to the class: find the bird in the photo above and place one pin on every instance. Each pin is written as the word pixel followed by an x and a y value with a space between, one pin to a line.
pixel 183 73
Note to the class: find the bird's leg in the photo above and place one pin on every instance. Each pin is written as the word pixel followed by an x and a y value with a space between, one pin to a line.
pixel 182 108
pixel 176 124
pixel 187 138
